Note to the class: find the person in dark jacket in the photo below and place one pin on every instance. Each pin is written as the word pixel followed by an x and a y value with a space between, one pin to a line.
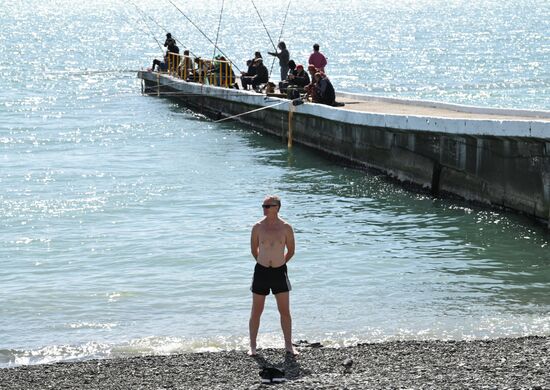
pixel 251 69
pixel 300 78
pixel 261 76
pixel 169 40
pixel 170 44
pixel 283 85
pixel 324 91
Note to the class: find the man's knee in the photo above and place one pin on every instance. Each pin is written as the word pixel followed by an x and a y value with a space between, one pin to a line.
pixel 256 313
pixel 284 312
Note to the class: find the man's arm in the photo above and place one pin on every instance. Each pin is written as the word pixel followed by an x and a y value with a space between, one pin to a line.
pixel 254 242
pixel 290 244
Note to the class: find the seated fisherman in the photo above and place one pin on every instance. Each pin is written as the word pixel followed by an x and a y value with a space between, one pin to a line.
pixel 297 82
pixel 186 69
pixel 224 72
pixel 300 78
pixel 162 66
pixel 205 69
pixel 261 76
pixel 324 91
pixel 291 73
pixel 251 69
pixel 311 87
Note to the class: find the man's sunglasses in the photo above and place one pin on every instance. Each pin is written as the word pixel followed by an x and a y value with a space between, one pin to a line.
pixel 267 206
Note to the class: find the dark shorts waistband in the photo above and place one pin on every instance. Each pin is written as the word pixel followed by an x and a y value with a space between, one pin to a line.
pixel 261 267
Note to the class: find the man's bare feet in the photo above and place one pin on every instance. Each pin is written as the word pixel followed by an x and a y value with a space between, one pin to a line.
pixel 252 352
pixel 292 351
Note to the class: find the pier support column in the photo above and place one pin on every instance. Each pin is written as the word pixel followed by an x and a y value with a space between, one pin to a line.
pixel 436 176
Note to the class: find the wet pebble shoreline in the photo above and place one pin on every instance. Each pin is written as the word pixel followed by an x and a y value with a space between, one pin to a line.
pixel 481 364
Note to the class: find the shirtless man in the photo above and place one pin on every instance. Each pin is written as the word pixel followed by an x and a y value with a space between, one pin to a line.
pixel 268 240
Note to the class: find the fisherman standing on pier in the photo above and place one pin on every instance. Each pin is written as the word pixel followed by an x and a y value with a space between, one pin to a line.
pixel 171 47
pixel 284 57
pixel 317 59
pixel 169 40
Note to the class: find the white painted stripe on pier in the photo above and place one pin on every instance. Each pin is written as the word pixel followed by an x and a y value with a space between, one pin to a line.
pixel 502 126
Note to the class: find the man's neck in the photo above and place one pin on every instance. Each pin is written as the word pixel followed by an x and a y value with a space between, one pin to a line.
pixel 272 219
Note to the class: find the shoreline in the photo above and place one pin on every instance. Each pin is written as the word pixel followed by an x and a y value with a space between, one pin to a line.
pixel 497 363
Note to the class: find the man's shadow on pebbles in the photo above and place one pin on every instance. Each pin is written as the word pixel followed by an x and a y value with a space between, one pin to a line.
pixel 289 365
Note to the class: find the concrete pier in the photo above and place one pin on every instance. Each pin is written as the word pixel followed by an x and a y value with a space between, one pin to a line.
pixel 494 156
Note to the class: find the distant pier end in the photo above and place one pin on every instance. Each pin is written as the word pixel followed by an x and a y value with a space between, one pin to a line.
pixel 497 157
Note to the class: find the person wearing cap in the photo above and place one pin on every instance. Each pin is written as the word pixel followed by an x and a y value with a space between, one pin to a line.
pixel 297 79
pixel 311 69
pixel 310 88
pixel 251 69
pixel 284 57
pixel 300 78
pixel 261 76
pixel 317 59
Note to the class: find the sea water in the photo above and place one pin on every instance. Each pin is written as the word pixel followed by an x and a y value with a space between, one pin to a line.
pixel 125 219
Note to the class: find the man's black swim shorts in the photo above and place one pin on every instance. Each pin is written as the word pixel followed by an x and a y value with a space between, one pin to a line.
pixel 266 278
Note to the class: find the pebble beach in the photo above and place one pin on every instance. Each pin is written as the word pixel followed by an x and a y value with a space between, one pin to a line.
pixel 508 363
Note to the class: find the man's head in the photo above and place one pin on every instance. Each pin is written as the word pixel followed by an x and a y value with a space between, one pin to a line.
pixel 258 62
pixel 316 47
pixel 271 204
pixel 291 65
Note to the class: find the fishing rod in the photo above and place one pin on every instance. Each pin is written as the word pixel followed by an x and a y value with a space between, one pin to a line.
pixel 280 35
pixel 127 20
pixel 252 111
pixel 266 30
pixel 218 33
pixel 204 35
pixel 143 15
